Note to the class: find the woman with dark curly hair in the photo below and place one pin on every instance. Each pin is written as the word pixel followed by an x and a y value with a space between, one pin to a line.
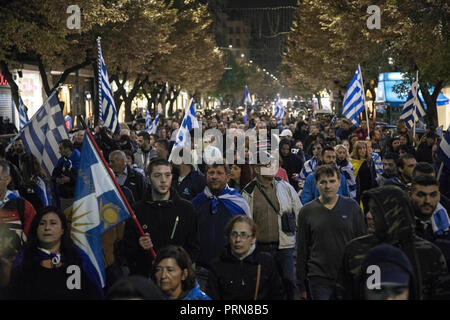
pixel 51 266
pixel 173 273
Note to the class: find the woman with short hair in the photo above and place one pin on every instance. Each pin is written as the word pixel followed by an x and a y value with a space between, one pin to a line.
pixel 173 273
pixel 242 272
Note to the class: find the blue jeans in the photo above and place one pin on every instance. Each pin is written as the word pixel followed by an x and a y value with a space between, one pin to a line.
pixel 320 291
pixel 285 262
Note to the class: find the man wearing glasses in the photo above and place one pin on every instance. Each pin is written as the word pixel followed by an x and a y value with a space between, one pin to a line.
pixel 165 217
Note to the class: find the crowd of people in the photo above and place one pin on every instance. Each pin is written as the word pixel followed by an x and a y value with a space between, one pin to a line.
pixel 340 200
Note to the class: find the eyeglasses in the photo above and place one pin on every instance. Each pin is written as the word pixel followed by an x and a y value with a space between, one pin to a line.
pixel 243 235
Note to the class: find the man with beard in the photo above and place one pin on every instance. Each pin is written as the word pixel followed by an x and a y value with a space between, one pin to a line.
pixel 165 218
pixel 432 221
pixel 389 169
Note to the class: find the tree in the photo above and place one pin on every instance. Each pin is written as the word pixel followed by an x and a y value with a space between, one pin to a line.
pixel 331 37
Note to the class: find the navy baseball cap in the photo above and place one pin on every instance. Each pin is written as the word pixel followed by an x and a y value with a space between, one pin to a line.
pixel 395 267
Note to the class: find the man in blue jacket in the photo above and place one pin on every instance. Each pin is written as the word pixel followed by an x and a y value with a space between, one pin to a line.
pixel 310 191
pixel 215 206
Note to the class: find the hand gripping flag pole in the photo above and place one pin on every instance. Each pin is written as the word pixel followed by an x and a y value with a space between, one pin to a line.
pixel 88 132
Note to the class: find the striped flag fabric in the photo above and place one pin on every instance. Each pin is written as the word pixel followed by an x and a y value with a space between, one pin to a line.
pixel 413 102
pixel 23 117
pixel 189 122
pixel 43 133
pixel 279 110
pixel 154 125
pixel 443 150
pixel 354 98
pixel 148 120
pixel 107 109
pixel 247 102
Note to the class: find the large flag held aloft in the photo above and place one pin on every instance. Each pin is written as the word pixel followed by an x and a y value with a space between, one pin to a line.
pixel 413 108
pixel 443 150
pixel 98 205
pixel 43 133
pixel 279 110
pixel 148 119
pixel 189 122
pixel 354 98
pixel 107 109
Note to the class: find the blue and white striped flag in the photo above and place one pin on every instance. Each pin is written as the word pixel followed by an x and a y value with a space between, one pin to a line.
pixel 43 133
pixel 408 113
pixel 154 125
pixel 247 102
pixel 98 206
pixel 148 120
pixel 23 117
pixel 279 110
pixel 189 122
pixel 354 98
pixel 443 150
pixel 107 109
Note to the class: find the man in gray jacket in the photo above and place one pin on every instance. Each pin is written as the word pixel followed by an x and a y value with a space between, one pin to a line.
pixel 274 206
pixel 146 152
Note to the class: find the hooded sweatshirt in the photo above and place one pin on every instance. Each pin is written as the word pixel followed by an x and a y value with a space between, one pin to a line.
pixel 394 224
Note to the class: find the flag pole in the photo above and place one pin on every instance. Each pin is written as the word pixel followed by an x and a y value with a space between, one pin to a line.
pixel 415 102
pixel 364 101
pixel 99 81
pixel 91 138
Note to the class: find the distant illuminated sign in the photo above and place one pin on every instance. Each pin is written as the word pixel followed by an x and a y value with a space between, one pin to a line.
pixel 3 81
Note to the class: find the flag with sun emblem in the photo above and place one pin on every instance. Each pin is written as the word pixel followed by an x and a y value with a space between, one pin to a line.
pixel 97 207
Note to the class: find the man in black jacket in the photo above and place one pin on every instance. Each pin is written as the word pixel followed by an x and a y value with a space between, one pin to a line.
pixel 166 219
pixel 127 176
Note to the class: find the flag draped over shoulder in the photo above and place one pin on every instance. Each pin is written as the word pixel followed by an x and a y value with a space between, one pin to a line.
pixel 443 150
pixel 98 206
pixel 230 198
pixel 354 98
pixel 414 107
pixel 107 108
pixel 189 122
pixel 43 132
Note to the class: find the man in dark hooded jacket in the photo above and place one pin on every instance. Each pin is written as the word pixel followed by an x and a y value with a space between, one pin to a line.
pixel 393 223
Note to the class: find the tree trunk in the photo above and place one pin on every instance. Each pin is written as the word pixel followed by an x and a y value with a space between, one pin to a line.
pixel 430 100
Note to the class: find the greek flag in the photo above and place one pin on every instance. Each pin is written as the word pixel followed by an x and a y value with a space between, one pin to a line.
pixel 279 110
pixel 443 150
pixel 408 113
pixel 247 102
pixel 98 206
pixel 107 109
pixel 354 98
pixel 23 117
pixel 154 125
pixel 44 131
pixel 148 120
pixel 189 122
pixel 230 198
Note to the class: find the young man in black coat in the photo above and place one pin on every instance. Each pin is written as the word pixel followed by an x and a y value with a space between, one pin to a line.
pixel 166 219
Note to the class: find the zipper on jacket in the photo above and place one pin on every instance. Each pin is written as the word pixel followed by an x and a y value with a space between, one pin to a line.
pixel 174 228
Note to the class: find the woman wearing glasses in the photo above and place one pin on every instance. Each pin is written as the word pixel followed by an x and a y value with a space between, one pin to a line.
pixel 242 272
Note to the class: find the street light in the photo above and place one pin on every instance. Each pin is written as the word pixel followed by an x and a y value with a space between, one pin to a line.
pixel 230 46
pixel 242 55
pixel 251 61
